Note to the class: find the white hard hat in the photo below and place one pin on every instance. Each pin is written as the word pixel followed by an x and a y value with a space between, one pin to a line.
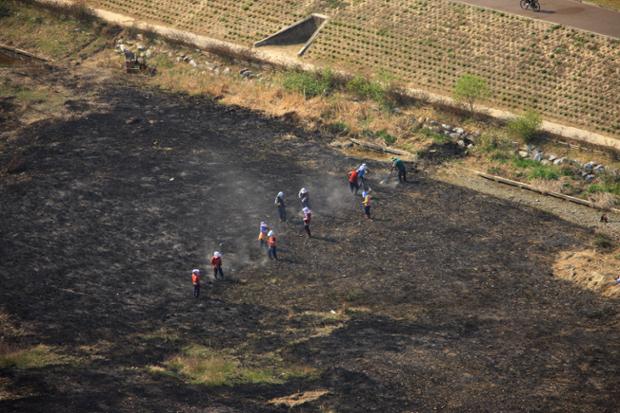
pixel 262 224
pixel 281 194
pixel 364 194
pixel 270 233
pixel 217 254
pixel 195 271
pixel 306 210
pixel 303 190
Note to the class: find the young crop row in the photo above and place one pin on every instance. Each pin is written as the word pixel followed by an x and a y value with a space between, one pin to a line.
pixel 565 74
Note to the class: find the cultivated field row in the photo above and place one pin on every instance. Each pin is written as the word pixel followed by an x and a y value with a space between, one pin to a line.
pixel 568 75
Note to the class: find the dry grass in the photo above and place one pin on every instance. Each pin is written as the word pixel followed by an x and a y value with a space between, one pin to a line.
pixel 202 365
pixel 590 269
pixel 604 200
pixel 298 399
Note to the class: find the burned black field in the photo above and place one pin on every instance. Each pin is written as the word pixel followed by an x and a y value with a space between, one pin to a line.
pixel 444 302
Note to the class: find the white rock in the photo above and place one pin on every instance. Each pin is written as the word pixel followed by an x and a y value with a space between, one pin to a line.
pixel 545 162
pixel 552 158
pixel 559 161
pixel 523 154
pixel 460 131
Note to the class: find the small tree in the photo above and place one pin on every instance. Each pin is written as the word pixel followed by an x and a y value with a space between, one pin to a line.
pixel 525 127
pixel 470 88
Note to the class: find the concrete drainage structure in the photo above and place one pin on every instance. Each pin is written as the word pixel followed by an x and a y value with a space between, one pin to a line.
pixel 300 33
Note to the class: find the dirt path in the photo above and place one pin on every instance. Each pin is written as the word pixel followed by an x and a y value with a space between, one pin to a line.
pixel 451 301
pixel 565 12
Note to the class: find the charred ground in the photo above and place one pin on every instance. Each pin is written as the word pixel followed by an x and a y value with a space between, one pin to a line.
pixel 447 299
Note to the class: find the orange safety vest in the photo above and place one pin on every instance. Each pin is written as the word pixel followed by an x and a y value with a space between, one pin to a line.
pixel 272 241
pixel 195 279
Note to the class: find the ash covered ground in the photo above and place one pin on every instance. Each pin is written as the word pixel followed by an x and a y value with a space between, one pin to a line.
pixel 449 295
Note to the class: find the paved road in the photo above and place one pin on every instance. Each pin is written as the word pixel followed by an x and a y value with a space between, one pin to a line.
pixel 565 12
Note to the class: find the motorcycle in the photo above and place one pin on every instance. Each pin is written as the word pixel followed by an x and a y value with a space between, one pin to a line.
pixel 530 4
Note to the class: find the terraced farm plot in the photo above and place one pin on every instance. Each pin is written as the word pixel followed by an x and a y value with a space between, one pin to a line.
pixel 567 75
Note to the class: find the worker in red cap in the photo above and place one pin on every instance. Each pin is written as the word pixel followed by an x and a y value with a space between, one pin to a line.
pixel 216 263
pixel 196 282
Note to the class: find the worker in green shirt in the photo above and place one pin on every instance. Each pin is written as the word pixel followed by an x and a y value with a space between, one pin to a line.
pixel 402 170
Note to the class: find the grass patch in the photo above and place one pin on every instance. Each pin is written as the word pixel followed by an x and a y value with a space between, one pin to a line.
pixel 203 365
pixel 309 84
pixel 367 89
pixel 544 172
pixel 525 163
pixel 53 32
pixel 35 357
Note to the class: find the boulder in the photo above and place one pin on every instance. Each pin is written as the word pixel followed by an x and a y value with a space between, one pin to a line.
pixel 588 167
pixel 454 135
pixel 460 131
pixel 537 156
pixel 559 161
pixel 598 169
pixel 552 158
pixel 545 162
pixel 589 178
pixel 461 143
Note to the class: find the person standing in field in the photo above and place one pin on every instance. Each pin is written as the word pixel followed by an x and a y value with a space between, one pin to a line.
pixel 216 263
pixel 362 170
pixel 262 234
pixel 196 282
pixel 272 252
pixel 307 218
pixel 304 197
pixel 281 206
pixel 353 184
pixel 399 165
pixel 366 204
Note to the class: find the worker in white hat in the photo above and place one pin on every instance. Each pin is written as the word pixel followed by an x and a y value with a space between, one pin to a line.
pixel 216 263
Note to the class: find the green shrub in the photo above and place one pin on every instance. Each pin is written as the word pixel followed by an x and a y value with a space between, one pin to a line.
pixel 367 89
pixel 387 138
pixel 470 88
pixel 309 84
pixel 525 127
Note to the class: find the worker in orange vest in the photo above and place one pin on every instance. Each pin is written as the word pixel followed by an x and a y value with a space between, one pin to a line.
pixel 354 186
pixel 272 253
pixel 196 282
pixel 216 263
